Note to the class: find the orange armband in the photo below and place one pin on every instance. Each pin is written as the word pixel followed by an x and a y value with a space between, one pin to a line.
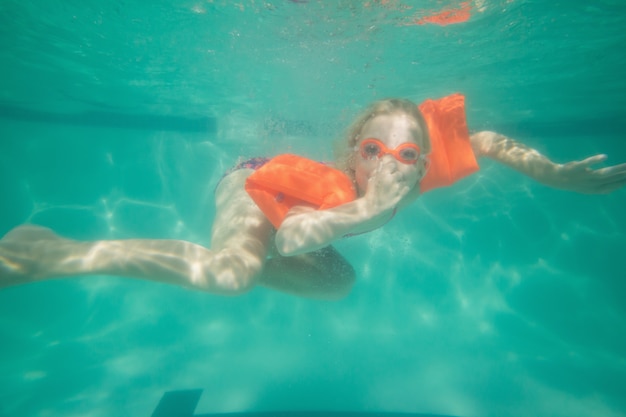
pixel 451 156
pixel 290 180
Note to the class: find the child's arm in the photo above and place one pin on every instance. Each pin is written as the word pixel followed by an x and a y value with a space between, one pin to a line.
pixel 573 176
pixel 306 230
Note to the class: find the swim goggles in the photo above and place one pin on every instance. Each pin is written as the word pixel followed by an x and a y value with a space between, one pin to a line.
pixel 407 153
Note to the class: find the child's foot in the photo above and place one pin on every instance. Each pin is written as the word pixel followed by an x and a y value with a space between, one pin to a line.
pixel 20 253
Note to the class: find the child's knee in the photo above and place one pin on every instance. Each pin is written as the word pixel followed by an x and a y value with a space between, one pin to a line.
pixel 230 273
pixel 229 283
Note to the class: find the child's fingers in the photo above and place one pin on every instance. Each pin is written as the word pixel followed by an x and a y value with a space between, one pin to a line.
pixel 596 159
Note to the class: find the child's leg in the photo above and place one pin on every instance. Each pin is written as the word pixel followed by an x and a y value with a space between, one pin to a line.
pixel 241 234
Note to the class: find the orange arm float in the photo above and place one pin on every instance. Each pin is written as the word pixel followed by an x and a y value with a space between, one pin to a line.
pixel 451 155
pixel 290 180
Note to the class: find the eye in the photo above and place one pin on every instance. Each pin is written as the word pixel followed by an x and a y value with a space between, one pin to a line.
pixel 371 150
pixel 409 154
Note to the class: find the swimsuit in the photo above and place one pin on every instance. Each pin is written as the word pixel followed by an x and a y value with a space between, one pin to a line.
pixel 252 163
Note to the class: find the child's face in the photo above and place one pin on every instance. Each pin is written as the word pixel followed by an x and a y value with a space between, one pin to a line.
pixel 393 131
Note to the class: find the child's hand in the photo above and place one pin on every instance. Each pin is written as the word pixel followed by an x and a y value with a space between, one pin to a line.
pixel 580 177
pixel 387 186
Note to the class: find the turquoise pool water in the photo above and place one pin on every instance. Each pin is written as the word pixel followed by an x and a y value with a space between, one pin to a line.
pixel 494 297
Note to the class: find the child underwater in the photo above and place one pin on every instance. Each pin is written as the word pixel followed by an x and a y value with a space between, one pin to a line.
pixel 277 218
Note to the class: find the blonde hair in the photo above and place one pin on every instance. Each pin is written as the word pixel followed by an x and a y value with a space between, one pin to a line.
pixel 344 146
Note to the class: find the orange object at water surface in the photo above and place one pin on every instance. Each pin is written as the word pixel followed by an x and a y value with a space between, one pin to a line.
pixel 448 16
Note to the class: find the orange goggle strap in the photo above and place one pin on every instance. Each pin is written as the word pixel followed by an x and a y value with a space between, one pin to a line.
pixel 451 157
pixel 290 180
